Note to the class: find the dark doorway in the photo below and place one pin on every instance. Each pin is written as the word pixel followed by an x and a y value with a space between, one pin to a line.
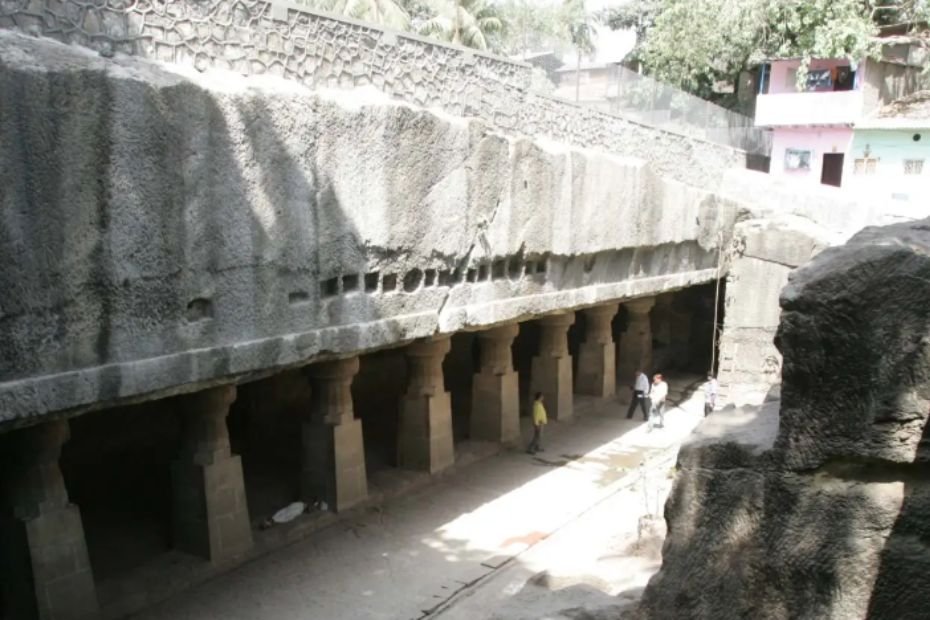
pixel 832 169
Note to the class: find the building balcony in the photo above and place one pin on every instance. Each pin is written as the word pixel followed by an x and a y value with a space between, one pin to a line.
pixel 802 109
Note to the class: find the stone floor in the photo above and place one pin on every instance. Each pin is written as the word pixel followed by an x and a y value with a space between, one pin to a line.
pixel 435 549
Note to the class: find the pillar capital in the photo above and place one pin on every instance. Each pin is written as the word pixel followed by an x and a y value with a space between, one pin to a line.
pixel 336 370
pixel 425 366
pixel 501 332
pixel 640 306
pixel 331 397
pixel 437 346
pixel 604 310
pixel 495 349
pixel 563 320
pixel 598 321
pixel 34 482
pixel 206 437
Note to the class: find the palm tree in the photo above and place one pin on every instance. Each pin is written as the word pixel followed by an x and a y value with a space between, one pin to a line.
pixel 388 13
pixel 463 22
pixel 581 30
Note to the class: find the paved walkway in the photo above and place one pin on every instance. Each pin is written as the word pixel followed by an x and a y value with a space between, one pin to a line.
pixel 417 554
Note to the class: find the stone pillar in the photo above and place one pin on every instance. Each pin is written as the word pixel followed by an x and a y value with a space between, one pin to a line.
pixel 333 448
pixel 45 570
pixel 495 413
pixel 680 328
pixel 551 370
pixel 210 514
pixel 425 433
pixel 635 349
pixel 661 322
pixel 597 356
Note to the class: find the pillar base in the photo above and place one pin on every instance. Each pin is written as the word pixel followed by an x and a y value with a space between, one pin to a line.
pixel 50 548
pixel 425 433
pixel 553 377
pixel 211 517
pixel 495 412
pixel 334 464
pixel 597 375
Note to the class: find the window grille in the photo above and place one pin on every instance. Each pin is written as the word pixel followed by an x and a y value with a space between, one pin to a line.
pixel 913 166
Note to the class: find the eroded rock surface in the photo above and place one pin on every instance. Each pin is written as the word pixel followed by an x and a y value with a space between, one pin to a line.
pixel 829 516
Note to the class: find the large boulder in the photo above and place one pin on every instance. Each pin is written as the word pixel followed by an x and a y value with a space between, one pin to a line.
pixel 822 509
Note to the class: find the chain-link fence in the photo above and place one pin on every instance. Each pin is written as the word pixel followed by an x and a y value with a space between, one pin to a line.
pixel 615 89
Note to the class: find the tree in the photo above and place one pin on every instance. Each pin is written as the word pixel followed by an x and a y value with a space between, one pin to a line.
pixel 530 25
pixel 463 22
pixel 635 15
pixel 390 13
pixel 697 44
pixel 580 25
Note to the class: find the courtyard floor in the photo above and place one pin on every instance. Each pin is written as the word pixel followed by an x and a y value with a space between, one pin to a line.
pixel 510 536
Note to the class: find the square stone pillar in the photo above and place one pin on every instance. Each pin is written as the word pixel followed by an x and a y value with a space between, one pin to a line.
pixel 635 348
pixel 424 439
pixel 45 571
pixel 495 413
pixel 333 459
pixel 210 516
pixel 551 370
pixel 597 356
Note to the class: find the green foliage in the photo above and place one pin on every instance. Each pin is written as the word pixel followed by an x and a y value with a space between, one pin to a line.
pixel 528 26
pixel 463 22
pixel 390 13
pixel 697 44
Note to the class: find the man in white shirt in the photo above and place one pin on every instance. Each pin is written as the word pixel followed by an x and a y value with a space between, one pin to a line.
pixel 640 396
pixel 657 396
pixel 710 394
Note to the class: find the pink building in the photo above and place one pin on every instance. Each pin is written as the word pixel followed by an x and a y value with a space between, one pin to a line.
pixel 812 126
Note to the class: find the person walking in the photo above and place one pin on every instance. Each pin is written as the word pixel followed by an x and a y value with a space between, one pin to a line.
pixel 539 421
pixel 657 397
pixel 640 396
pixel 710 394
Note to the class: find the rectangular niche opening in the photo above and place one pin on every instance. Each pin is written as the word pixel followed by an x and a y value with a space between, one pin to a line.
pixel 445 278
pixel 350 283
pixel 389 282
pixel 482 273
pixel 430 277
pixel 515 268
pixel 371 281
pixel 298 297
pixel 530 268
pixel 498 269
pixel 472 275
pixel 329 288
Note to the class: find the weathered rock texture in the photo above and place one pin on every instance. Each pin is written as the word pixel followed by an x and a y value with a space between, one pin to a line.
pixel 256 37
pixel 828 518
pixel 783 226
pixel 164 229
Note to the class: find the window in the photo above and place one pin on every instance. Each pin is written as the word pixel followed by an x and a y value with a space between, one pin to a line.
pixel 913 166
pixel 865 166
pixel 797 159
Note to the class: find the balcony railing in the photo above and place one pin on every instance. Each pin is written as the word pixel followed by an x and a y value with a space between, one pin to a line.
pixel 799 109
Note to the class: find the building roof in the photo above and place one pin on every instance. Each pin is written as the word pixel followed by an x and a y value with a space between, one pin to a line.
pixel 910 112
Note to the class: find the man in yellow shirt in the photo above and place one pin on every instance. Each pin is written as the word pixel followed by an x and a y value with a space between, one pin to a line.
pixel 539 421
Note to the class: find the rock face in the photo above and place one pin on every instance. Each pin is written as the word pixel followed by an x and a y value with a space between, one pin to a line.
pixel 827 516
pixel 163 229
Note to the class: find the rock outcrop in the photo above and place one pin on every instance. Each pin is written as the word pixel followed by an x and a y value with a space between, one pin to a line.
pixel 820 509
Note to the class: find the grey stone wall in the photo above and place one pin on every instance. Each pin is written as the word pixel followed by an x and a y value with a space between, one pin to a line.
pixel 164 229
pixel 815 506
pixel 251 37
